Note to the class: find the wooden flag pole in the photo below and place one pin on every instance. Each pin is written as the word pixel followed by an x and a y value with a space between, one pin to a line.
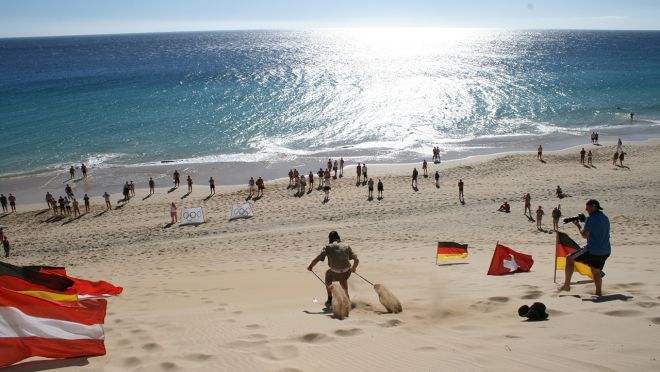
pixel 556 244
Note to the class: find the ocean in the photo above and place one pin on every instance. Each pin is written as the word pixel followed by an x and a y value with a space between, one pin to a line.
pixel 379 95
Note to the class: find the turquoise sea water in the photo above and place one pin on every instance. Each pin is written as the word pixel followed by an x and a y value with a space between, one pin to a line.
pixel 385 94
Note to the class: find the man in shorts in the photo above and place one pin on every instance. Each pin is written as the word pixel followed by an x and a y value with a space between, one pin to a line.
pixel 339 255
pixel 595 253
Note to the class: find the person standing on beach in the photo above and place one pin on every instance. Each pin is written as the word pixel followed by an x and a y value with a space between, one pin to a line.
pixel 131 188
pixel 49 199
pixel 380 189
pixel 582 154
pixel 539 153
pixel 341 167
pixel 615 157
pixel 72 172
pixel 326 189
pixel 528 204
pixel 303 185
pixel 83 168
pixel 86 201
pixel 339 256
pixel 62 205
pixel 329 165
pixel 320 174
pixel 190 183
pixel 621 157
pixel 364 172
pixel 177 178
pixel 251 186
pixel 126 192
pixel 76 207
pixel 358 170
pixel 212 185
pixel 152 186
pixel 371 189
pixel 460 189
pixel 413 182
pixel 261 186
pixel 632 116
pixel 173 214
pixel 539 217
pixel 290 177
pixel 424 168
pixel 598 249
pixel 335 168
pixel 556 215
pixel 310 178
pixel 437 179
pixel 12 198
pixel 68 190
pixel 3 202
pixel 108 205
pixel 6 246
pixel 589 158
pixel 619 145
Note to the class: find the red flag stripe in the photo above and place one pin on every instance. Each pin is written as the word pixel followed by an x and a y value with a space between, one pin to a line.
pixel 85 312
pixel 18 284
pixel 13 350
pixel 86 288
pixel 15 323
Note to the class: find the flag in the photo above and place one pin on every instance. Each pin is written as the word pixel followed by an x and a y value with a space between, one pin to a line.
pixel 566 246
pixel 32 326
pixel 449 250
pixel 84 288
pixel 507 261
pixel 34 283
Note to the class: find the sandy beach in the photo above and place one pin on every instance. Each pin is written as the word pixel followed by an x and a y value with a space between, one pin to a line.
pixel 236 295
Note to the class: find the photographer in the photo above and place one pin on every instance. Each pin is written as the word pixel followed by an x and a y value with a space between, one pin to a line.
pixel 597 232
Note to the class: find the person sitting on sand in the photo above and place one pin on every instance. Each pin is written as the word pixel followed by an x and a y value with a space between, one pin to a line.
pixel 505 207
pixel 339 256
pixel 560 193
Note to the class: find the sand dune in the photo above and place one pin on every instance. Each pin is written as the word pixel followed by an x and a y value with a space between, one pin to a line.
pixel 235 295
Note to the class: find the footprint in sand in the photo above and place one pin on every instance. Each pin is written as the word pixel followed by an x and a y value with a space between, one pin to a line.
pixel 314 338
pixel 289 370
pixel 197 357
pixel 623 313
pixel 253 326
pixel 282 352
pixel 131 362
pixel 426 348
pixel 499 299
pixel 152 346
pixel 532 295
pixel 655 320
pixel 168 366
pixel 647 305
pixel 348 332
pixel 391 323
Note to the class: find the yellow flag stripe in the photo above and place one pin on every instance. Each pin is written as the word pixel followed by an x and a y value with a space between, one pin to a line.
pixel 51 296
pixel 579 267
pixel 442 257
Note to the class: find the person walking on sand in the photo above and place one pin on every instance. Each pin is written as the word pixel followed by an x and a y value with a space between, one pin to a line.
pixel 619 145
pixel 460 189
pixel 6 246
pixel 582 154
pixel 339 256
pixel 212 185
pixel 173 214
pixel 190 183
pixel 131 188
pixel 539 153
pixel 86 201
pixel 528 204
pixel 370 184
pixel 621 157
pixel 83 168
pixel 320 174
pixel 261 187
pixel 380 189
pixel 72 172
pixel 12 198
pixel 106 197
pixel 251 184
pixel 341 167
pixel 3 202
pixel 539 217
pixel 177 178
pixel 590 157
pixel 358 170
pixel 437 179
pixel 126 192
pixel 413 182
pixel 62 205
pixel 424 168
pixel 68 190
pixel 326 189
pixel 615 157
pixel 598 249
pixel 152 186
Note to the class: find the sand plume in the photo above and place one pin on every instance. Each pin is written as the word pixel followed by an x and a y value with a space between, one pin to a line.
pixel 340 302
pixel 388 300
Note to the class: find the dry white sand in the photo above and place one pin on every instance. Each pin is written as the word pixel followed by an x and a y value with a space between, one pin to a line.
pixel 235 295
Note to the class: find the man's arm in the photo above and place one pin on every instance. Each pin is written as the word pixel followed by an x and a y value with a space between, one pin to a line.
pixel 312 264
pixel 356 262
pixel 584 233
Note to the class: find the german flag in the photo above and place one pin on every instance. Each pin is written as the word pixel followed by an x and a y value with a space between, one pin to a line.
pixel 566 246
pixel 34 283
pixel 449 250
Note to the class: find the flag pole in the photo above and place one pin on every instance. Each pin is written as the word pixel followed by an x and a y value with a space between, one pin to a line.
pixel 556 244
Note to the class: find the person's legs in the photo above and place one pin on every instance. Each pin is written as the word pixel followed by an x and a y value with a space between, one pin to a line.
pixel 598 280
pixel 568 274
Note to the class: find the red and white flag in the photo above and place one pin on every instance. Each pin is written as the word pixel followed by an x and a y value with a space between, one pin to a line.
pixel 84 288
pixel 507 261
pixel 32 326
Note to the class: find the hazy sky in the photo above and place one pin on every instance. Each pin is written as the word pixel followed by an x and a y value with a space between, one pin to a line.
pixel 74 17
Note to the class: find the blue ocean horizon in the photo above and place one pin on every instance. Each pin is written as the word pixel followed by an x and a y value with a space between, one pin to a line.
pixel 386 95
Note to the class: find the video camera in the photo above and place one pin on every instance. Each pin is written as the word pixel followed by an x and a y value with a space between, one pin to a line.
pixel 580 217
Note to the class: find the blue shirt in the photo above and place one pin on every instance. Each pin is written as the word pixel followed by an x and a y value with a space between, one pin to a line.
pixel 598 242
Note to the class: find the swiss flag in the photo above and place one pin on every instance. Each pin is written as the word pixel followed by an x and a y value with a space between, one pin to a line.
pixel 507 261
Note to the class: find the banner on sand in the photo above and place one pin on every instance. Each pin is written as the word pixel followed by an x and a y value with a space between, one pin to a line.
pixel 241 211
pixel 192 216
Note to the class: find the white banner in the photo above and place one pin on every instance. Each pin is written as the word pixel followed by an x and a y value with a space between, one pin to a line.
pixel 241 211
pixel 192 216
